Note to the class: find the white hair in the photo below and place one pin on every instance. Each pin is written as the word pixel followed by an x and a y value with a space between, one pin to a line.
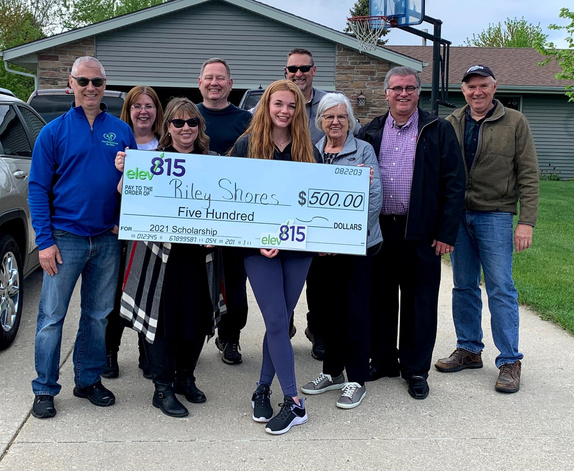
pixel 329 101
pixel 90 62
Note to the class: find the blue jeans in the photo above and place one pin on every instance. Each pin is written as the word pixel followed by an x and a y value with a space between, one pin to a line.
pixel 96 259
pixel 485 239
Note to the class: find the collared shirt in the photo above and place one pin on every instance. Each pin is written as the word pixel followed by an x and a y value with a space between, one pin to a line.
pixel 471 131
pixel 397 162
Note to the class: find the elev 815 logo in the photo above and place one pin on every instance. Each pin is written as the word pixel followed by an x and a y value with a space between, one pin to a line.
pixel 159 166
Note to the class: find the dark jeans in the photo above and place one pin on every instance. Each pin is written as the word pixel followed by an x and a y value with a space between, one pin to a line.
pixel 235 278
pixel 185 316
pixel 173 358
pixel 114 332
pixel 346 297
pixel 413 269
pixel 316 296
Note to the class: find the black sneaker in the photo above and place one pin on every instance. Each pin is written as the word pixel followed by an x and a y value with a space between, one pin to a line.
pixel 43 407
pixel 289 415
pixel 231 352
pixel 112 369
pixel 318 349
pixel 262 410
pixel 97 394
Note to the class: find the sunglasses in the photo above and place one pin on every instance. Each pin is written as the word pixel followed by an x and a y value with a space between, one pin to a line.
pixel 303 68
pixel 83 81
pixel 179 123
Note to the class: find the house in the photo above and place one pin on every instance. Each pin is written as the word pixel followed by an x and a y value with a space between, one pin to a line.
pixel 523 85
pixel 164 47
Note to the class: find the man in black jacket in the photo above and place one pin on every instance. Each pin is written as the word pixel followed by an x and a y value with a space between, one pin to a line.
pixel 423 196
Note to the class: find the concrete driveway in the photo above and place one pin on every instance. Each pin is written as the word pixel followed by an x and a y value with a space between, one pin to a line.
pixel 463 424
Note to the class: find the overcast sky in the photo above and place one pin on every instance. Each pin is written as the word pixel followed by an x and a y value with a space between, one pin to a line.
pixel 460 19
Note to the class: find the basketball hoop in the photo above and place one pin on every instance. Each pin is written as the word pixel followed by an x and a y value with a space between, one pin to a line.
pixel 369 29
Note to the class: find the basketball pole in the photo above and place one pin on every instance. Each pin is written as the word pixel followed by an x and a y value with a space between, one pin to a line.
pixel 437 42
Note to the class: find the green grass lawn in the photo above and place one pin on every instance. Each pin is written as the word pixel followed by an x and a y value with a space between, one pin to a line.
pixel 544 274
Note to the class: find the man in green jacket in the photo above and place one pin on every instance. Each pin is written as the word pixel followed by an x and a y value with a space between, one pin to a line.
pixel 501 170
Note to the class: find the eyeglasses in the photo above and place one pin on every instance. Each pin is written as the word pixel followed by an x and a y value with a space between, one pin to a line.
pixel 147 107
pixel 294 68
pixel 179 123
pixel 398 90
pixel 83 81
pixel 331 117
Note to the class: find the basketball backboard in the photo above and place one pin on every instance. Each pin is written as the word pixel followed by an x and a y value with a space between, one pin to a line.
pixel 406 12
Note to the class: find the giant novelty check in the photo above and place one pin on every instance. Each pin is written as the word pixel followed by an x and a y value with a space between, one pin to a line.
pixel 241 202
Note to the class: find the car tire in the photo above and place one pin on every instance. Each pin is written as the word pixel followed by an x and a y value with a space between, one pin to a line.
pixel 11 290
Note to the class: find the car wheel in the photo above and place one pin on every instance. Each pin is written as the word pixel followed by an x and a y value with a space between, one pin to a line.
pixel 11 293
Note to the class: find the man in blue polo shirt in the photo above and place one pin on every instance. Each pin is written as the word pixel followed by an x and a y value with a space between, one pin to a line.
pixel 74 206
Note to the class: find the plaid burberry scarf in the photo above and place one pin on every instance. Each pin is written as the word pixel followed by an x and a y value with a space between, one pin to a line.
pixel 143 283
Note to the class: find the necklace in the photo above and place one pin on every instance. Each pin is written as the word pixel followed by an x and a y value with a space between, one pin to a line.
pixel 282 142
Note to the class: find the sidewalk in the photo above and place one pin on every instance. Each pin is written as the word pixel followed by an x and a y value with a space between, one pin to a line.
pixel 463 424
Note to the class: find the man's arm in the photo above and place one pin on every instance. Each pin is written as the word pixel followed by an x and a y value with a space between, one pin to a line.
pixel 523 237
pixel 42 173
pixel 49 259
pixel 42 176
pixel 527 174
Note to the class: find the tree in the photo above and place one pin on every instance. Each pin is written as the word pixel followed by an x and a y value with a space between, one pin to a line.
pixel 361 8
pixel 18 25
pixel 86 12
pixel 513 33
pixel 23 21
pixel 564 57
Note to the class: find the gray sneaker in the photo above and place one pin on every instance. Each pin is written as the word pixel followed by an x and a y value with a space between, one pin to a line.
pixel 353 394
pixel 324 383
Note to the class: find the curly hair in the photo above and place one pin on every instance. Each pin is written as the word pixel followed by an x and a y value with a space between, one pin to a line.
pixel 133 96
pixel 178 108
pixel 261 128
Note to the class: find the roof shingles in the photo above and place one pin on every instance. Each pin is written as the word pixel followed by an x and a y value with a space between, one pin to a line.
pixel 512 66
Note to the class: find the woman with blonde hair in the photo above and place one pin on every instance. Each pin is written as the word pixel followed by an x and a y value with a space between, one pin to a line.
pixel 168 285
pixel 278 131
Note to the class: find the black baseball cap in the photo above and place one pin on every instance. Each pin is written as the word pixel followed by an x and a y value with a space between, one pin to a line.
pixel 478 70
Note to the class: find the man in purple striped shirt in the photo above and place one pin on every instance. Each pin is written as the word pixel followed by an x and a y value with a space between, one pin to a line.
pixel 423 195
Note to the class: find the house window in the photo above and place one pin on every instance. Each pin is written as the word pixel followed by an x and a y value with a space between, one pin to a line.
pixel 514 102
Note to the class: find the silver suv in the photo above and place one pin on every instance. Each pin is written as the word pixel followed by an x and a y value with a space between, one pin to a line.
pixel 19 128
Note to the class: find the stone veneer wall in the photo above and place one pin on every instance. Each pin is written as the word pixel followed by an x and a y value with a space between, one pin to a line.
pixel 55 63
pixel 356 73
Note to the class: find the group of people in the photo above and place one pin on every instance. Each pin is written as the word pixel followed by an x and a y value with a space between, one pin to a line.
pixel 437 187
